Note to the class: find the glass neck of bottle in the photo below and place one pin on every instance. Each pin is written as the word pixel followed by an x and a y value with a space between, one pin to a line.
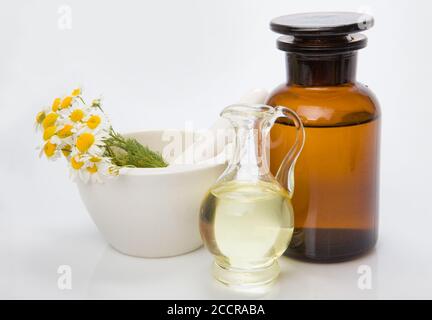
pixel 249 158
pixel 321 69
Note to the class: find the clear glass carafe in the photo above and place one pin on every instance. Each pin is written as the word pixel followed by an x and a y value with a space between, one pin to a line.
pixel 246 219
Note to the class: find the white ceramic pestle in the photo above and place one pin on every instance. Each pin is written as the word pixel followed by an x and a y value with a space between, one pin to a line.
pixel 210 146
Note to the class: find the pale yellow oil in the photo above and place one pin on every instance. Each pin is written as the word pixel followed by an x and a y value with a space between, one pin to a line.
pixel 245 225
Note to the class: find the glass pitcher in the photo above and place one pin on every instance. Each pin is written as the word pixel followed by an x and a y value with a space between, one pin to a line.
pixel 246 219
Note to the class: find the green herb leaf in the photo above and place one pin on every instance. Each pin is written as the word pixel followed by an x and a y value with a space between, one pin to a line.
pixel 128 152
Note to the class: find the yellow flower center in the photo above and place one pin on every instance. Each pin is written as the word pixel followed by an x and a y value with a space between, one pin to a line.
pixel 40 117
pixel 93 122
pixel 92 169
pixel 95 159
pixel 85 141
pixel 56 104
pixel 66 102
pixel 66 150
pixel 76 115
pixel 65 132
pixel 49 120
pixel 49 149
pixel 49 132
pixel 76 92
pixel 76 164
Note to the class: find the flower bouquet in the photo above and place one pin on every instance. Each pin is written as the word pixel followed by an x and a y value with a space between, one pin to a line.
pixel 83 135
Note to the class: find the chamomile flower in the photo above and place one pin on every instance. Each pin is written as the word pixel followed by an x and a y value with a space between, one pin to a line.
pixel 56 104
pixel 90 141
pixel 49 119
pixel 66 133
pixel 76 168
pixel 40 117
pixel 50 150
pixel 52 144
pixel 96 168
pixel 90 168
pixel 70 100
pixel 66 102
pixel 76 92
pixel 96 121
pixel 49 132
pixel 75 114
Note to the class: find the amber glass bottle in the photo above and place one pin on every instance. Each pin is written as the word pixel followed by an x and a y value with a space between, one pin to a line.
pixel 336 177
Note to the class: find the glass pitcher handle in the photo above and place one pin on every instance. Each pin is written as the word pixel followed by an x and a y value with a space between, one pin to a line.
pixel 285 173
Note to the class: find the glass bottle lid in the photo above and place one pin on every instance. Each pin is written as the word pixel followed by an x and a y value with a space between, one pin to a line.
pixel 322 31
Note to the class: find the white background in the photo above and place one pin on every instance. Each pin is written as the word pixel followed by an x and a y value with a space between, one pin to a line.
pixel 159 64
